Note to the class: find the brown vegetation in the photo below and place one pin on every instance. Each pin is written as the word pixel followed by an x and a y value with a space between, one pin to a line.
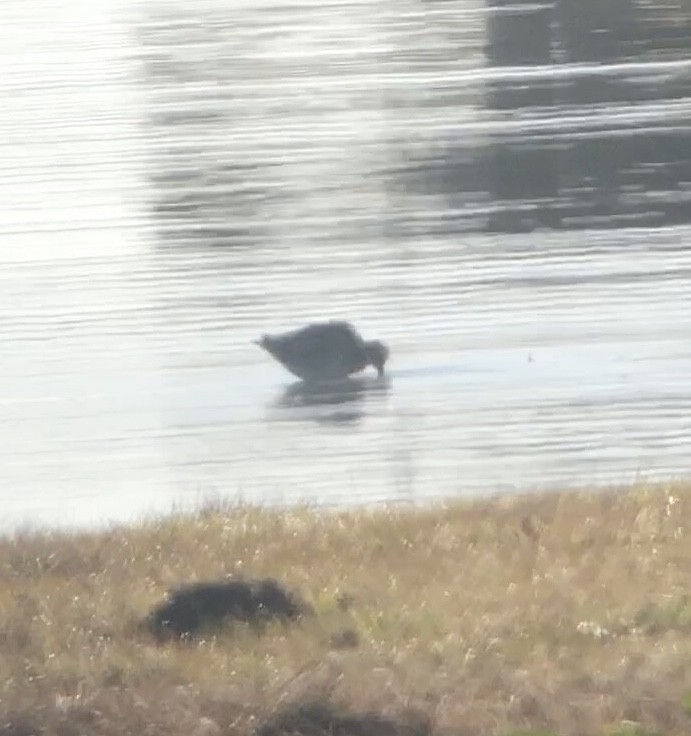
pixel 554 614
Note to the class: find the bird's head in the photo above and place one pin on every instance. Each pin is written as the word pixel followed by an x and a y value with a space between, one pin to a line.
pixel 377 354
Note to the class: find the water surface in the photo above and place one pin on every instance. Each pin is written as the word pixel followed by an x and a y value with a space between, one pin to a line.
pixel 151 230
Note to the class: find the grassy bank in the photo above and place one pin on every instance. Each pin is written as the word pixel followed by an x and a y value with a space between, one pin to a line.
pixel 564 614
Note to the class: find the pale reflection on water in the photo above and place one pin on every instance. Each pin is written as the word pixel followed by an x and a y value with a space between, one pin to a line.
pixel 129 381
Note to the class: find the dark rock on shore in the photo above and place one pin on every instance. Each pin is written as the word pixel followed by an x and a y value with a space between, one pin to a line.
pixel 203 606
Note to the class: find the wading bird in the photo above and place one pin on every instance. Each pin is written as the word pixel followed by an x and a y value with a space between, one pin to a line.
pixel 325 351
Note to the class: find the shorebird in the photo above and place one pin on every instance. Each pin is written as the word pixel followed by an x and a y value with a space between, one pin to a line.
pixel 325 351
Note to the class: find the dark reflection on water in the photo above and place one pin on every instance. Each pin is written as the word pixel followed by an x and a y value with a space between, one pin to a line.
pixel 342 402
pixel 581 103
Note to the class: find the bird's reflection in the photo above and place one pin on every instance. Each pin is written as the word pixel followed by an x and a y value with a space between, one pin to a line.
pixel 346 397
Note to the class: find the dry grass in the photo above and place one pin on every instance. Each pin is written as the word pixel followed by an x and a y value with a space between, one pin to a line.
pixel 556 614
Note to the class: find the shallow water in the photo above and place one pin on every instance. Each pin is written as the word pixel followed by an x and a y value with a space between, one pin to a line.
pixel 142 253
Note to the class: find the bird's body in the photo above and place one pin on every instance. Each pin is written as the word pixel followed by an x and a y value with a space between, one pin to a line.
pixel 325 351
